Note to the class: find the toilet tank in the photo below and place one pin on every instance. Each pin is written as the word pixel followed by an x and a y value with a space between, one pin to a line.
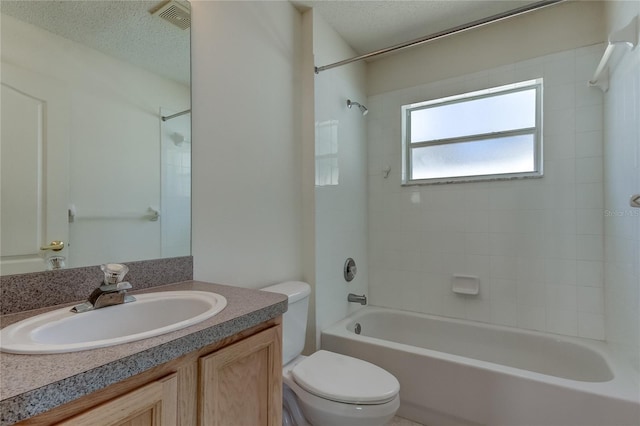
pixel 294 321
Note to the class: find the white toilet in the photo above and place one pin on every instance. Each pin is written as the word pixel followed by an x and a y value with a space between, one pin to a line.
pixel 330 389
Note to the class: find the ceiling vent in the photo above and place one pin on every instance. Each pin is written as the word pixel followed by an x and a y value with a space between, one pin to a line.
pixel 175 13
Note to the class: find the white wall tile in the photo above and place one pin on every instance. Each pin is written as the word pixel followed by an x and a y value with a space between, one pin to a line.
pixel 587 59
pixel 591 300
pixel 504 313
pixel 503 244
pixel 453 305
pixel 561 196
pixel 478 310
pixel 589 247
pixel 532 317
pixel 559 146
pixel 622 178
pixel 561 271
pixel 476 243
pixel 561 246
pixel 591 326
pixel 560 97
pixel 535 243
pixel 342 227
pixel 477 220
pixel 589 221
pixel 589 118
pixel 531 293
pixel 562 321
pixel 589 195
pixel 589 170
pixel 585 95
pixel 561 122
pixel 562 297
pixel 504 290
pixel 560 70
pixel 505 267
pixel 589 273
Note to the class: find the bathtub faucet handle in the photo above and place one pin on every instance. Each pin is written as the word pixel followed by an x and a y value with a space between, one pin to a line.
pixel 357 299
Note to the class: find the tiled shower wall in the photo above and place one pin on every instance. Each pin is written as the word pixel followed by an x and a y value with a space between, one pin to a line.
pixel 341 178
pixel 622 179
pixel 535 244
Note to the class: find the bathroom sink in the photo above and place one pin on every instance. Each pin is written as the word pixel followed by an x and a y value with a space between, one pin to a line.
pixel 152 314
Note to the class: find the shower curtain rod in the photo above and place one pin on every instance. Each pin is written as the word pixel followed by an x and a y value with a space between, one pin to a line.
pixel 178 114
pixel 441 34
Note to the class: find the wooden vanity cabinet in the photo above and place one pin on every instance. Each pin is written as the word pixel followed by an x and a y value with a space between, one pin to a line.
pixel 234 382
pixel 154 404
pixel 242 383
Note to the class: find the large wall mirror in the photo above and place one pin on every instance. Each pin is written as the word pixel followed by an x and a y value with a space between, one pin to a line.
pixel 96 133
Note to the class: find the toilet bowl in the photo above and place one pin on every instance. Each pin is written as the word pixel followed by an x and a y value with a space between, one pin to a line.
pixel 331 393
pixel 330 389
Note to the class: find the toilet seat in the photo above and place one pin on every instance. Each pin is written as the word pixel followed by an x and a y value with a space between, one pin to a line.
pixel 345 379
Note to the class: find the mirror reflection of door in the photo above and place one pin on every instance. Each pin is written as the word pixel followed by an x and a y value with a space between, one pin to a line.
pixel 118 63
pixel 34 169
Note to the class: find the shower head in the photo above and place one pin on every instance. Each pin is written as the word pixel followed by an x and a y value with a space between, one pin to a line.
pixel 363 109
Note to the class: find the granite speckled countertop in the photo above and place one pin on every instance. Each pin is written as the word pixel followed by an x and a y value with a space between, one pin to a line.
pixel 33 384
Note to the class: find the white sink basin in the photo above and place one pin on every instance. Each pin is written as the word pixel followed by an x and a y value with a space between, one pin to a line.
pixel 150 315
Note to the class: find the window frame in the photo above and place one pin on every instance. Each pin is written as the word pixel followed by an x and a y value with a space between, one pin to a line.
pixel 536 132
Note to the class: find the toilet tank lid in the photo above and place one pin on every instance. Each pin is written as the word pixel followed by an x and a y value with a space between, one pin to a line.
pixel 295 290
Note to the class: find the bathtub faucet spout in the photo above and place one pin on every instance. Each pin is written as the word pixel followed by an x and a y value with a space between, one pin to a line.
pixel 357 299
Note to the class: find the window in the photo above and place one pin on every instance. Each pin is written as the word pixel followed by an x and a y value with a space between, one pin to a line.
pixel 489 134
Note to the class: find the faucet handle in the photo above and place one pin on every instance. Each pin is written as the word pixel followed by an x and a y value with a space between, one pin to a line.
pixel 124 285
pixel 114 272
pixel 112 288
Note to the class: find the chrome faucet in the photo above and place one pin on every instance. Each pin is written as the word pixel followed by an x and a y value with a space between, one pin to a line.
pixel 357 299
pixel 113 291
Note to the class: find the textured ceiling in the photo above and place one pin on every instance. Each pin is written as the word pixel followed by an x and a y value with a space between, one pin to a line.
pixel 371 25
pixel 126 29
pixel 123 29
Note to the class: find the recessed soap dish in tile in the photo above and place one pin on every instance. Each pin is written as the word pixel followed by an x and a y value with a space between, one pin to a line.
pixel 465 284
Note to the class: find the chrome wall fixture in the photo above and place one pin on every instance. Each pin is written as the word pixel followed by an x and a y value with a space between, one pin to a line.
pixel 363 109
pixel 357 298
pixel 178 114
pixel 350 269
pixel 358 328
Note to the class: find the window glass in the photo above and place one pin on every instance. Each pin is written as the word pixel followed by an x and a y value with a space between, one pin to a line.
pixel 492 133
pixel 513 154
pixel 499 113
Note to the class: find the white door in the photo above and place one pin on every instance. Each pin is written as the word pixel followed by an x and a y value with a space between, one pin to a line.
pixel 34 155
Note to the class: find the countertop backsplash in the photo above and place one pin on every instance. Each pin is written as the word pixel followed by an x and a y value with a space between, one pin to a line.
pixel 36 290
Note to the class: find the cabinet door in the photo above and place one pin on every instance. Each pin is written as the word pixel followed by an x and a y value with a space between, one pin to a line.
pixel 241 384
pixel 154 404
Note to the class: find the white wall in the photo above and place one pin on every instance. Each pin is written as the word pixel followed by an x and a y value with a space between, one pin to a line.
pixel 621 180
pixel 114 139
pixel 341 195
pixel 553 29
pixel 308 175
pixel 536 244
pixel 247 203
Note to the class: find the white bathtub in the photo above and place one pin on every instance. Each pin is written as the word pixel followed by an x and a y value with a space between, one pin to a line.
pixel 455 372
